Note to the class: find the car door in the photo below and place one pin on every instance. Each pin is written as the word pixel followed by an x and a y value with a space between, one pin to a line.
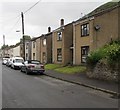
pixel 24 65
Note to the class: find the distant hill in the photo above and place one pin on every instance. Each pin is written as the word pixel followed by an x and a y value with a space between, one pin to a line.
pixel 104 7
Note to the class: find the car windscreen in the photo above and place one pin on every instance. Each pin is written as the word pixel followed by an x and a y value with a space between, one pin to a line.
pixel 34 62
pixel 18 60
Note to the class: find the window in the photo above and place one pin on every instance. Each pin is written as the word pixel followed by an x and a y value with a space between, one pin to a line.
pixel 84 53
pixel 59 36
pixel 34 62
pixel 59 55
pixel 33 44
pixel 27 44
pixel 33 56
pixel 44 57
pixel 21 48
pixel 26 62
pixel 27 56
pixel 44 42
pixel 85 30
pixel 18 60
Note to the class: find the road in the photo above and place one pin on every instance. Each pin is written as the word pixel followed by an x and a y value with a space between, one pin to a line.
pixel 39 91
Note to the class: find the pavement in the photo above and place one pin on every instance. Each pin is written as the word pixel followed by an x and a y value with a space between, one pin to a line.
pixel 83 80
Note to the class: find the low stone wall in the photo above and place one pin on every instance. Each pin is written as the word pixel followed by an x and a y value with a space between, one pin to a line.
pixel 103 71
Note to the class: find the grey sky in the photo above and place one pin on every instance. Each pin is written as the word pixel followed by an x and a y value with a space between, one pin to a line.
pixel 40 17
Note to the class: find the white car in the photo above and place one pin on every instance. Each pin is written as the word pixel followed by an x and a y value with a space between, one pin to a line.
pixel 9 61
pixel 17 62
pixel 4 60
pixel 32 66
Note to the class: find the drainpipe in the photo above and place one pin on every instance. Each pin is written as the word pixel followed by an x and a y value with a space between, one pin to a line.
pixel 53 47
pixel 74 45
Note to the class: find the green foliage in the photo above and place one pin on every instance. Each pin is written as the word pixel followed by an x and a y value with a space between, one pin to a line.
pixel 4 46
pixel 113 52
pixel 110 51
pixel 95 56
pixel 65 69
pixel 52 66
pixel 71 69
pixel 105 6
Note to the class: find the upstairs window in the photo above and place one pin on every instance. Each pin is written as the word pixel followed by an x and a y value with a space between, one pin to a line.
pixel 27 45
pixel 44 42
pixel 33 44
pixel 85 29
pixel 59 36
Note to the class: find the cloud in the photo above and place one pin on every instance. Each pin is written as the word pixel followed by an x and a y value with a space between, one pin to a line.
pixel 40 17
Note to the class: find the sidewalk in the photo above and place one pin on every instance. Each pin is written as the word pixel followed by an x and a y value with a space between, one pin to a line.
pixel 81 79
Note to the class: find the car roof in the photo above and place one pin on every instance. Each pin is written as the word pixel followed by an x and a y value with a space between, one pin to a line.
pixel 17 58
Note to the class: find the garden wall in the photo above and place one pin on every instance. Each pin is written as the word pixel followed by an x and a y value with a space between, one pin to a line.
pixel 103 71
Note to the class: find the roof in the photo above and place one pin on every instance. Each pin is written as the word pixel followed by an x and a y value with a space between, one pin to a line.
pixel 102 9
pixel 34 38
pixel 62 27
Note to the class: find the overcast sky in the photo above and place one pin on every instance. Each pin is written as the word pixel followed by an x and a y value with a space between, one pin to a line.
pixel 37 20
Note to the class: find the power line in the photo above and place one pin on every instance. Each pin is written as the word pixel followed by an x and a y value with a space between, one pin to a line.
pixel 20 16
pixel 11 19
pixel 31 7
pixel 14 25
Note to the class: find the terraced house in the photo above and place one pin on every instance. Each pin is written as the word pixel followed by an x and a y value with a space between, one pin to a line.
pixel 62 43
pixel 33 49
pixel 95 30
pixel 42 47
pixel 46 47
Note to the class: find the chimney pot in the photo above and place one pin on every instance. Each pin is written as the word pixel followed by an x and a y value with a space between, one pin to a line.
pixel 49 29
pixel 62 22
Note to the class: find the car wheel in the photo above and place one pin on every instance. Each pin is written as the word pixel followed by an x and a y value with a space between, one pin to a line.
pixel 21 70
pixel 26 71
pixel 13 67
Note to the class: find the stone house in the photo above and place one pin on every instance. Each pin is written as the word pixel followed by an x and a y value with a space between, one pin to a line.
pixel 93 31
pixel 62 41
pixel 46 47
pixel 33 49
pixel 43 47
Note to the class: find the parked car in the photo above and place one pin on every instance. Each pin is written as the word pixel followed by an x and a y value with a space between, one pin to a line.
pixel 32 66
pixel 9 61
pixel 4 60
pixel 17 62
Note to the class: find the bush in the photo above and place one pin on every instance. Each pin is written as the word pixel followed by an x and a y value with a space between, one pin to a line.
pixel 96 56
pixel 113 53
pixel 110 51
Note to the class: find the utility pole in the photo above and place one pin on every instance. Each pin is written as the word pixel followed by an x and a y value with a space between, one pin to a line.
pixel 23 35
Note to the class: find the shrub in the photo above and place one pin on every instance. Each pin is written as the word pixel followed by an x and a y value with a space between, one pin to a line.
pixel 96 56
pixel 110 51
pixel 113 53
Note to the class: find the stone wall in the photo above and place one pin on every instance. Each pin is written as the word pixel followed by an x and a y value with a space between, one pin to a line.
pixel 103 71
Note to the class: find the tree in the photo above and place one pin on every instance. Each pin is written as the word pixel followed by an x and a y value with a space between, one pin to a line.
pixel 4 46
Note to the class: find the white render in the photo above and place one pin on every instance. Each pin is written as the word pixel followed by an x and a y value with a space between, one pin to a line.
pixel 16 51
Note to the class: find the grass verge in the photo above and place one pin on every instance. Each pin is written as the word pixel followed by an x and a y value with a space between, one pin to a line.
pixel 66 69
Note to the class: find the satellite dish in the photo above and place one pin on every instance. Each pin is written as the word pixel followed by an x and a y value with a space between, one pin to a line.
pixel 97 27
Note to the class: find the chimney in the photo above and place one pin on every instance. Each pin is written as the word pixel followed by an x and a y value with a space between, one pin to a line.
pixel 49 29
pixel 62 22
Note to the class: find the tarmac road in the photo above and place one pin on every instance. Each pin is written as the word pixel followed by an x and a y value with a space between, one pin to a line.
pixel 39 91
